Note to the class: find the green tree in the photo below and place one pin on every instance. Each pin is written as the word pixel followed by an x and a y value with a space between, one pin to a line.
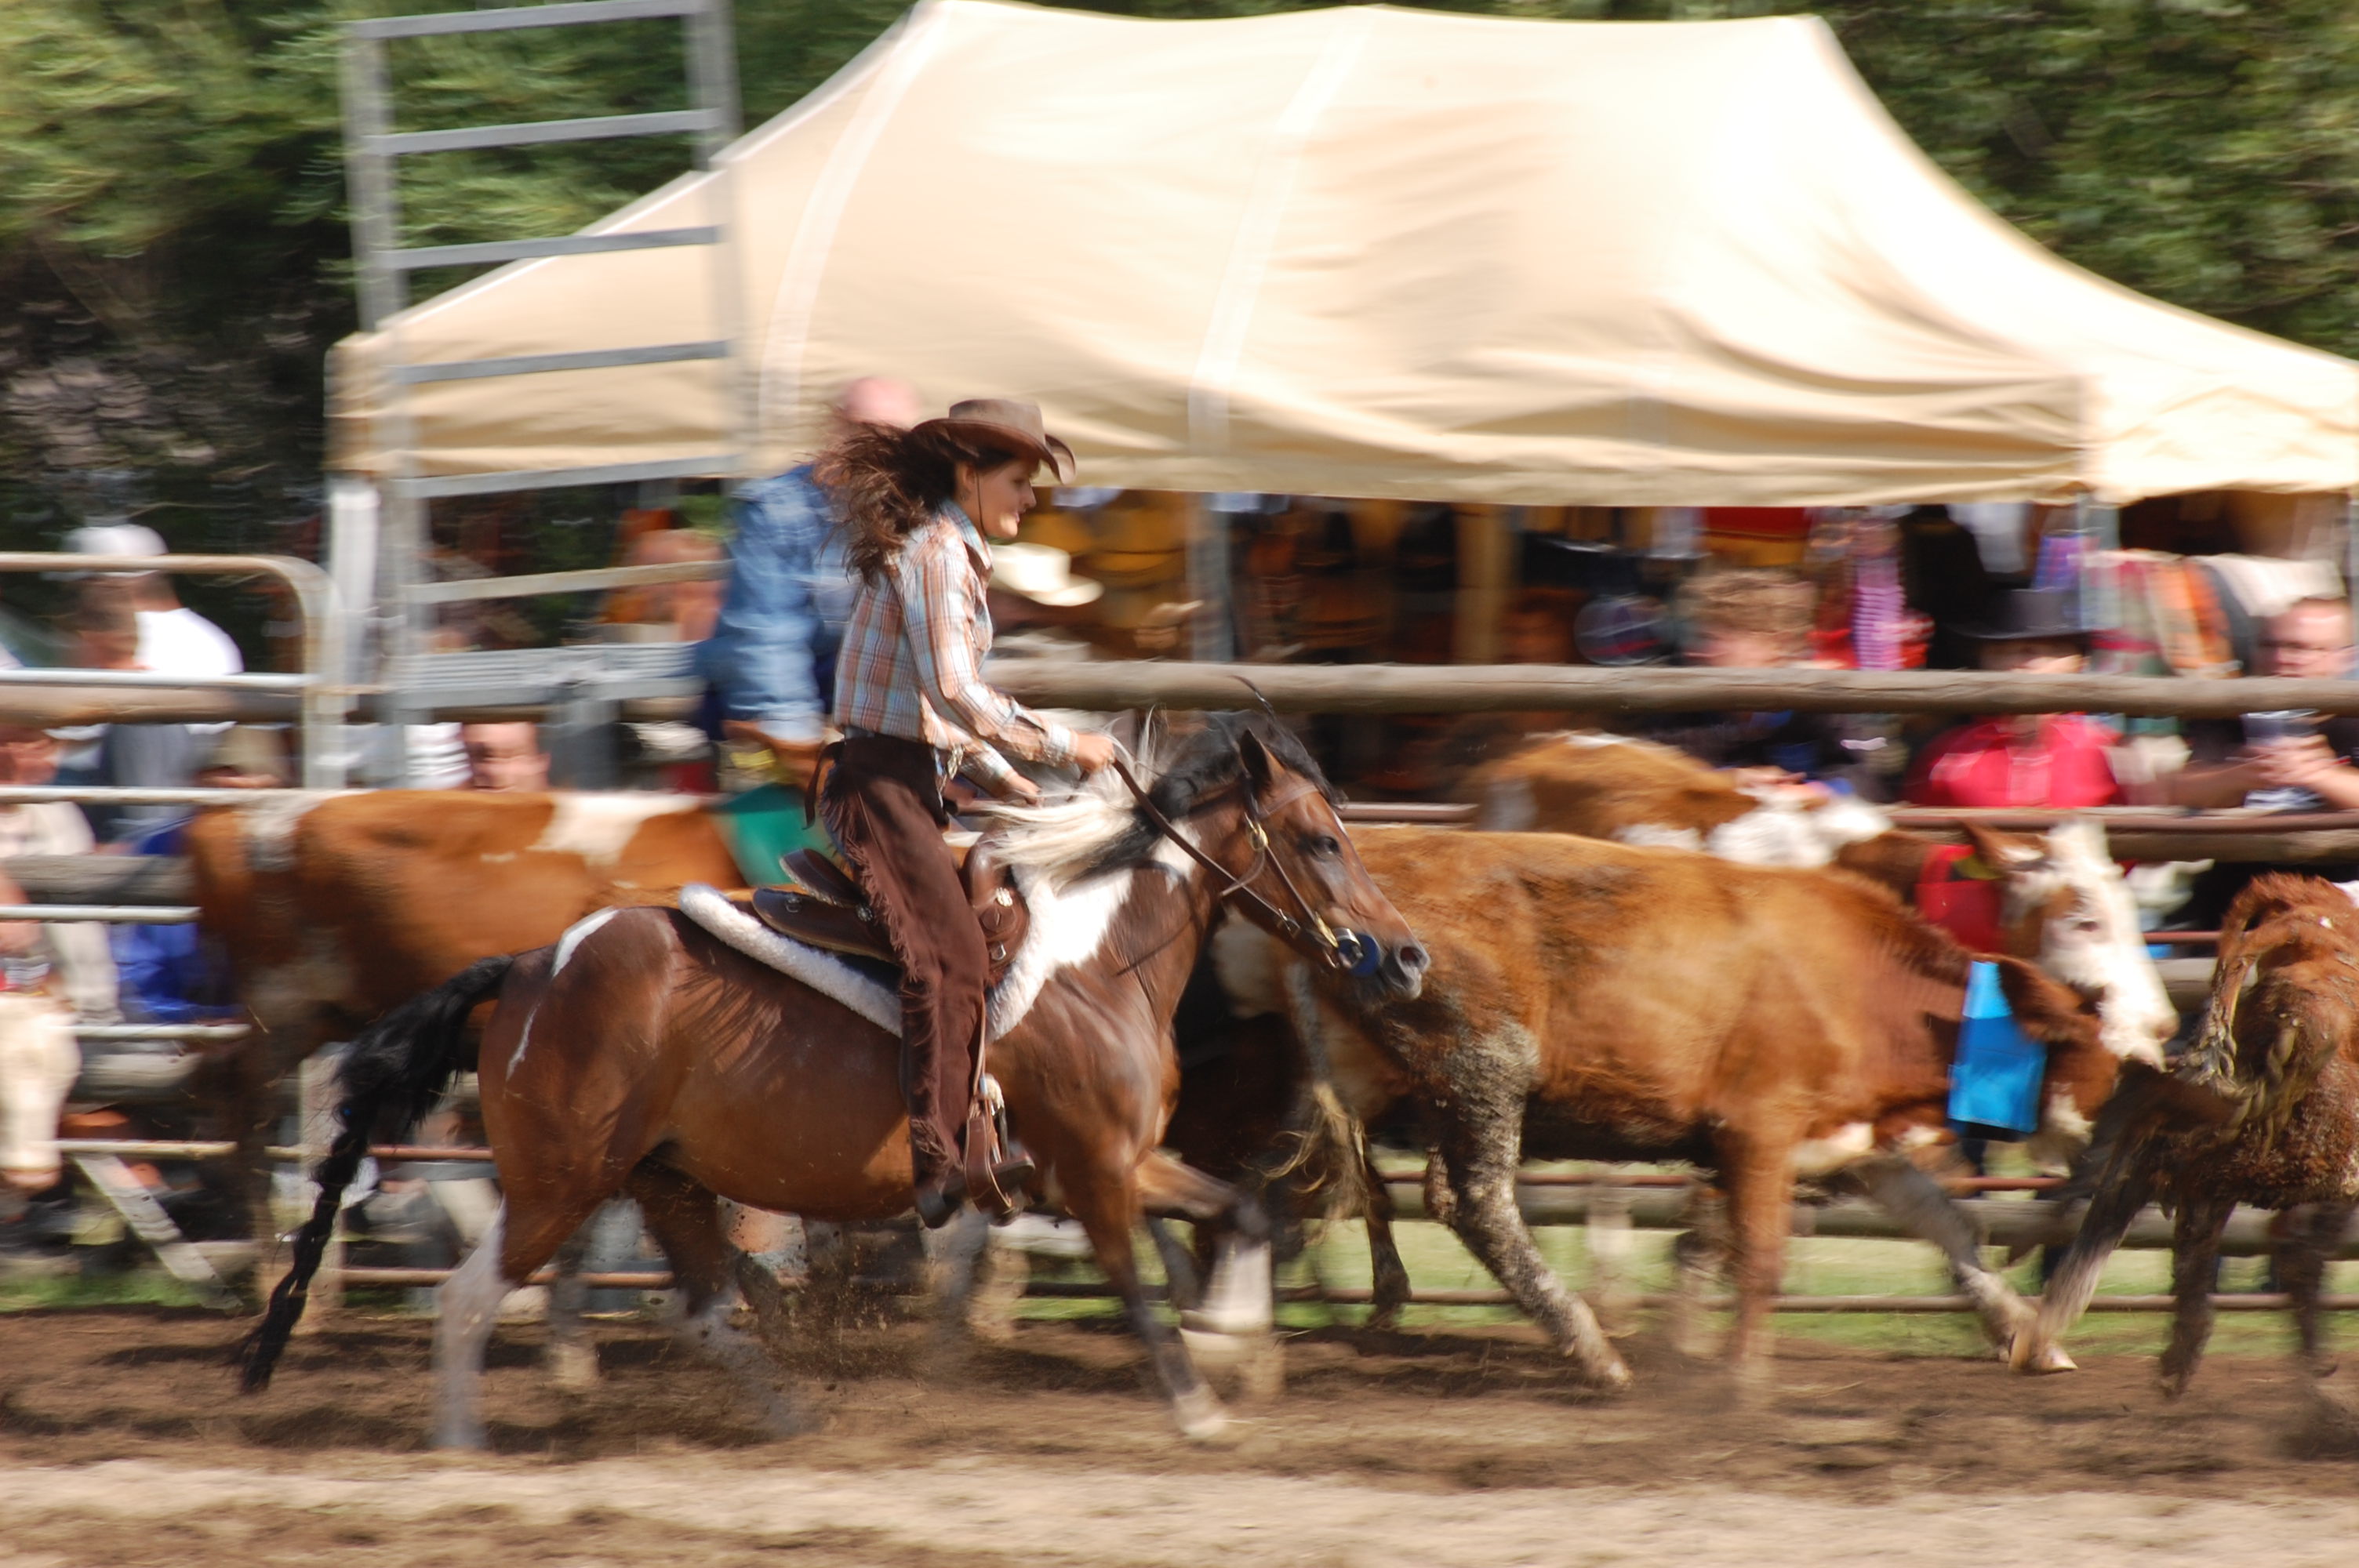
pixel 175 260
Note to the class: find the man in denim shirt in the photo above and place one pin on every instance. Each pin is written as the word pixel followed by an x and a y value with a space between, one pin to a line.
pixel 771 658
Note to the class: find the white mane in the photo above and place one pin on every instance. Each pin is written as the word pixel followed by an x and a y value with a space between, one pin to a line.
pixel 1061 838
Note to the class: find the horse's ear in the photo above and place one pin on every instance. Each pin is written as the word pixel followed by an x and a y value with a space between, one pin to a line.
pixel 1260 765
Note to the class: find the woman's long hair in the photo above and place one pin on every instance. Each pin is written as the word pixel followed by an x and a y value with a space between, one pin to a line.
pixel 890 483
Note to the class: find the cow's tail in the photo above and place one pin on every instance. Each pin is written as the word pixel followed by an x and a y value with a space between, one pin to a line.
pixel 393 1072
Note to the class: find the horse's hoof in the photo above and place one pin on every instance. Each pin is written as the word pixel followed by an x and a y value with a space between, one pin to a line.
pixel 2170 1385
pixel 460 1437
pixel 573 1366
pixel 2050 1360
pixel 1199 1416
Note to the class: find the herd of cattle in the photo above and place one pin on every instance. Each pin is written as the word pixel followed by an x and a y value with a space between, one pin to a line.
pixel 1604 984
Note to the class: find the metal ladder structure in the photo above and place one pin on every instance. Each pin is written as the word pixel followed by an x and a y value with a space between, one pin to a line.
pixel 373 149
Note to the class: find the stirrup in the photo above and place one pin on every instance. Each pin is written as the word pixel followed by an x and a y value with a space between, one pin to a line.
pixel 998 1170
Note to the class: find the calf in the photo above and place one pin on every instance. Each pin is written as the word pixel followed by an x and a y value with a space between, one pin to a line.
pixel 2263 1109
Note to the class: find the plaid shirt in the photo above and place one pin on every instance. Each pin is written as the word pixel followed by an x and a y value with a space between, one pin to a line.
pixel 912 663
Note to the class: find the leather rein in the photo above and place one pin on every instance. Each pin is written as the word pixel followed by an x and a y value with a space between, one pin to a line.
pixel 1345 950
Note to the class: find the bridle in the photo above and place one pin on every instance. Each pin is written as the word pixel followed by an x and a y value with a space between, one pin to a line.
pixel 1347 951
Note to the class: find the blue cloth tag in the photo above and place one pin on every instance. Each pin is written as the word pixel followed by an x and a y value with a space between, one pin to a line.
pixel 1994 1082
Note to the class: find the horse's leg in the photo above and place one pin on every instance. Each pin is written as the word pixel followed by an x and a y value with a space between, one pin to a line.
pixel 685 1218
pixel 1232 1320
pixel 466 1305
pixel 2195 1270
pixel 1388 1276
pixel 1917 1200
pixel 1480 1151
pixel 2066 1294
pixel 572 1360
pixel 1108 1208
pixel 2316 1232
pixel 1182 1283
pixel 1758 1175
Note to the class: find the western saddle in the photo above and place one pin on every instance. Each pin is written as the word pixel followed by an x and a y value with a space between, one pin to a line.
pixel 826 908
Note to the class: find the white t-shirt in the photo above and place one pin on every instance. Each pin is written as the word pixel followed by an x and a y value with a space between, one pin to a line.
pixel 184 642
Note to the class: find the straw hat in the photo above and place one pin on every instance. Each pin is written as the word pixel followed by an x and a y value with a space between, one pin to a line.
pixel 1042 574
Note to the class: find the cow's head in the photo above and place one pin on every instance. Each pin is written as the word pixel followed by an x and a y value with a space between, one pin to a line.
pixel 38 1061
pixel 2066 908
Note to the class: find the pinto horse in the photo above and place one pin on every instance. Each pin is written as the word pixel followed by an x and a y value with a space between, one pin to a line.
pixel 643 1054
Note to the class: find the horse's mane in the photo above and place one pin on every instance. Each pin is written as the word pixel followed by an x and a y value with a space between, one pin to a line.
pixel 1099 827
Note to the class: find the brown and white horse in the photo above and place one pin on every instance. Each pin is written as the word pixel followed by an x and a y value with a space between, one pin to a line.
pixel 648 1053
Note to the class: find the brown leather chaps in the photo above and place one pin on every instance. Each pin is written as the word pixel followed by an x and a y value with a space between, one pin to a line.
pixel 883 802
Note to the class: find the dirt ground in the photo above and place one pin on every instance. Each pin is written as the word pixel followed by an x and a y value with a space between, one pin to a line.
pixel 123 1444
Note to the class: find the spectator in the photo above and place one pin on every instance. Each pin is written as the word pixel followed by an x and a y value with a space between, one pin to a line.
pixel 172 636
pixel 130 756
pixel 771 659
pixel 505 757
pixel 2284 761
pixel 171 974
pixel 2057 761
pixel 71 959
pixel 2275 762
pixel 1759 619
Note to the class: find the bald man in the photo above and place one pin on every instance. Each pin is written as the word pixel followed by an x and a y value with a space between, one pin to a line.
pixel 771 658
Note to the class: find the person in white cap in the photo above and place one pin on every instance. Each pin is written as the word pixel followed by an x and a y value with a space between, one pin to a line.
pixel 172 636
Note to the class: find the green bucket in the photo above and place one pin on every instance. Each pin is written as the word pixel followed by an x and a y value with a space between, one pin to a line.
pixel 762 826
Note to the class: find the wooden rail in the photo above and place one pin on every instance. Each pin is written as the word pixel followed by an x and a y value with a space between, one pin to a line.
pixel 1582 689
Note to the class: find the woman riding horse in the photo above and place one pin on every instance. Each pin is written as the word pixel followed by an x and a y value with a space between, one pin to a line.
pixel 914 709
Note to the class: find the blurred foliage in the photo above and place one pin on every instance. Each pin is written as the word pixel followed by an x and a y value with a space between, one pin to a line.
pixel 174 260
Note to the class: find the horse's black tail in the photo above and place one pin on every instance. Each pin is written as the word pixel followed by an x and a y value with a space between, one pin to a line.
pixel 397 1068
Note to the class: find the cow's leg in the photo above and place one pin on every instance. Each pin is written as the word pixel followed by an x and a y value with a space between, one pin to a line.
pixel 1758 1175
pixel 1480 1151
pixel 1699 1258
pixel 684 1216
pixel 1388 1276
pixel 1107 1203
pixel 2195 1270
pixel 2068 1291
pixel 1917 1200
pixel 2315 1236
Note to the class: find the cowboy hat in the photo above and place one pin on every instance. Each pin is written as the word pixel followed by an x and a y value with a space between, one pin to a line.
pixel 1009 423
pixel 1042 574
pixel 2028 615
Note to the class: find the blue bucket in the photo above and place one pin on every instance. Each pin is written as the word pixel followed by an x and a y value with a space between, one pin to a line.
pixel 1994 1082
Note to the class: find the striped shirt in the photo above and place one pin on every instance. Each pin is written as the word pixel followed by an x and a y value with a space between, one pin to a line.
pixel 911 664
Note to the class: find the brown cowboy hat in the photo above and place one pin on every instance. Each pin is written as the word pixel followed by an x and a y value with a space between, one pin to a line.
pixel 1006 422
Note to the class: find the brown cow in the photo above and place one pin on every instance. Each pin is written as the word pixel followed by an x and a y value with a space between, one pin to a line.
pixel 2066 907
pixel 335 907
pixel 1594 1000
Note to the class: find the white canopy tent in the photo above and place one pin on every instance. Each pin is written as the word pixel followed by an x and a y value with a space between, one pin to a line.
pixel 1378 253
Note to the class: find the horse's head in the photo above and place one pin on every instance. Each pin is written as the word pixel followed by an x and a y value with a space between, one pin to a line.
pixel 1250 802
pixel 38 1061
pixel 2066 908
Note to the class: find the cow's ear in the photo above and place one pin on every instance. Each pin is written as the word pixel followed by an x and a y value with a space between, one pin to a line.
pixel 1260 766
pixel 2004 852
